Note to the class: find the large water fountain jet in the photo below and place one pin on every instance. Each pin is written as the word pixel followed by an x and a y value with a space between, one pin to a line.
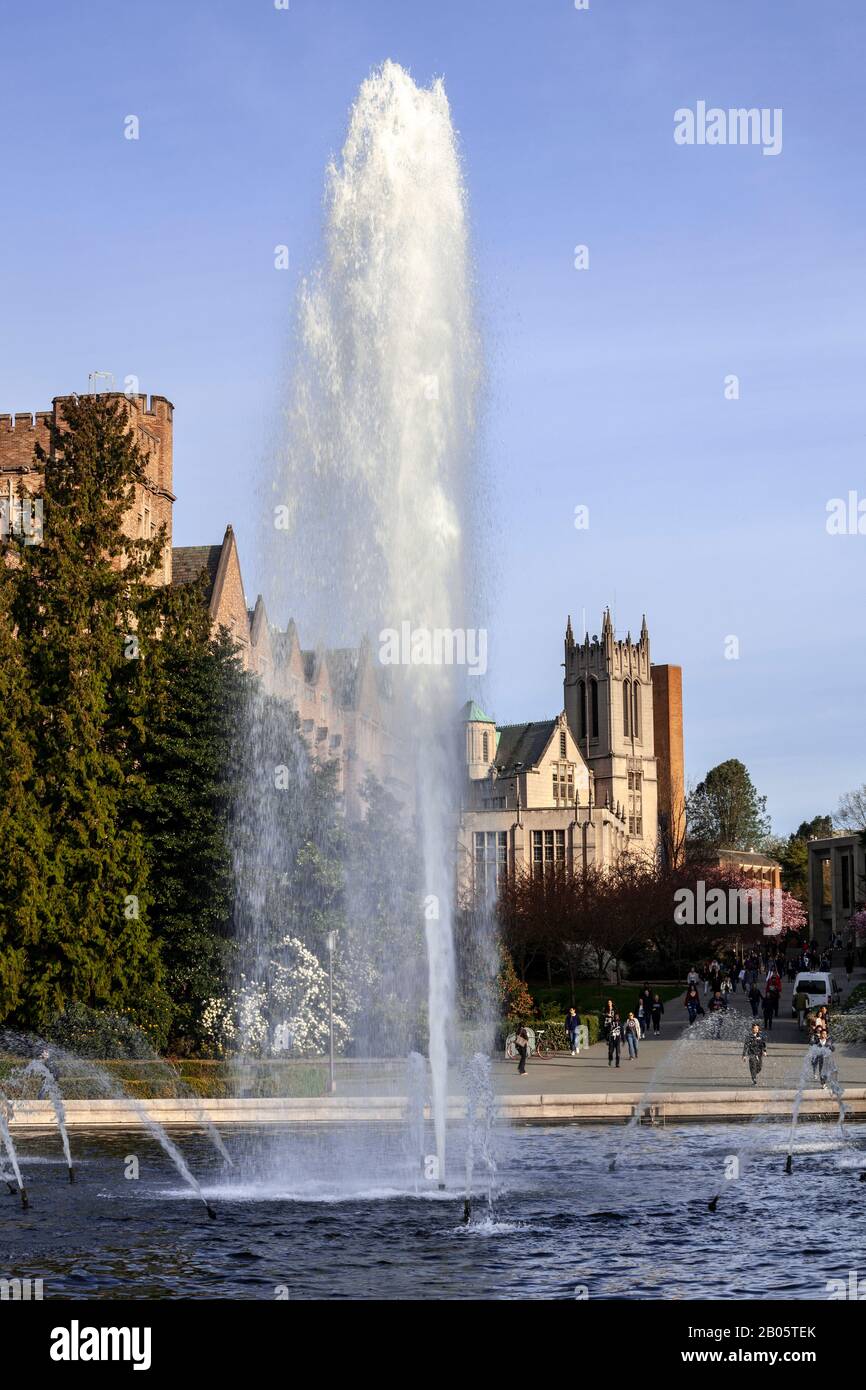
pixel 376 481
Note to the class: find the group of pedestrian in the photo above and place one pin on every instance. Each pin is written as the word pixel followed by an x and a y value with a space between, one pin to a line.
pixel 759 974
pixel 647 1015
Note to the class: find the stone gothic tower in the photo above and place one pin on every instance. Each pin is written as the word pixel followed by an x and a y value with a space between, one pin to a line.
pixel 609 704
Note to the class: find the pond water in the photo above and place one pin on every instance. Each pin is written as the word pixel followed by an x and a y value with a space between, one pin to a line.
pixel 561 1225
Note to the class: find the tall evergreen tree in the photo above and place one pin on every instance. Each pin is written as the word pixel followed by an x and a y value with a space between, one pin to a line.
pixel 24 862
pixel 725 811
pixel 75 603
pixel 187 690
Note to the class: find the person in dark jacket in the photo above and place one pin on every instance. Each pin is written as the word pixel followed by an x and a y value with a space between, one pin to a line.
pixel 754 1048
pixel 614 1040
pixel 755 998
pixel 769 1010
pixel 646 1003
pixel 692 1002
pixel 521 1042
pixel 658 1009
pixel 572 1023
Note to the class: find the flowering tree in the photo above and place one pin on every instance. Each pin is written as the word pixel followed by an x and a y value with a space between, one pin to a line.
pixel 857 924
pixel 286 1013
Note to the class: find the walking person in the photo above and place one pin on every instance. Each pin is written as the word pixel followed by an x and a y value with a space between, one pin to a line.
pixel 572 1024
pixel 774 990
pixel 692 1003
pixel 755 1048
pixel 642 1018
pixel 657 1011
pixel 614 1039
pixel 646 1001
pixel 521 1042
pixel 718 1007
pixel 632 1034
pixel 755 998
pixel 821 1048
pixel 607 1018
pixel 769 1010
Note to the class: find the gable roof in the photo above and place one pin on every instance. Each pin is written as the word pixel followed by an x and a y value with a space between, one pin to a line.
pixel 523 743
pixel 190 561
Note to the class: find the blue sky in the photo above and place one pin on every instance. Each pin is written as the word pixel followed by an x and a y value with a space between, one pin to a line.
pixel 605 387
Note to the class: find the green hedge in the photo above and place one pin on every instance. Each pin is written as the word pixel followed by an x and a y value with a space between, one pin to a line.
pixel 213 1080
pixel 556 1034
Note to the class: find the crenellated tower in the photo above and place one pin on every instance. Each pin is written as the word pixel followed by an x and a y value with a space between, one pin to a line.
pixel 150 421
pixel 609 703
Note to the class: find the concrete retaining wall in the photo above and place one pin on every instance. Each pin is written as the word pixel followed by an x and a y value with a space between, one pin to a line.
pixel 668 1107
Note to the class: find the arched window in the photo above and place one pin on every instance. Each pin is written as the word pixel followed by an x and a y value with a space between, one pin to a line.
pixel 593 690
pixel 581 706
pixel 626 708
pixel 485 747
pixel 636 708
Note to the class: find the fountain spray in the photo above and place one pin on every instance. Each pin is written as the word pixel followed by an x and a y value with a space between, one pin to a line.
pixel 48 1085
pixel 5 1135
pixel 378 461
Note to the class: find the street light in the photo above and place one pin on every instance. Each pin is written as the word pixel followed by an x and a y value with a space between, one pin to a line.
pixel 332 941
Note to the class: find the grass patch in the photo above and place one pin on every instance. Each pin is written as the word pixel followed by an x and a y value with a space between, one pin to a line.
pixel 554 1002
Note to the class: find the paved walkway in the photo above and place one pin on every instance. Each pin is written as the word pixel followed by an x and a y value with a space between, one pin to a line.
pixel 675 1062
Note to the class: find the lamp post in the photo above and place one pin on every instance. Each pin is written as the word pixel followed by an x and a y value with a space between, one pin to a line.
pixel 332 941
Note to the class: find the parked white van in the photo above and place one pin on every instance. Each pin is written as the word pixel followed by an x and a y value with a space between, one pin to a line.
pixel 819 987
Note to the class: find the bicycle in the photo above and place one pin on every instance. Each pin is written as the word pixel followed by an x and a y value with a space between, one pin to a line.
pixel 539 1045
pixel 511 1044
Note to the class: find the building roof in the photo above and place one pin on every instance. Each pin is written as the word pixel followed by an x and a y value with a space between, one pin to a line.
pixel 746 856
pixel 523 743
pixel 474 714
pixel 190 561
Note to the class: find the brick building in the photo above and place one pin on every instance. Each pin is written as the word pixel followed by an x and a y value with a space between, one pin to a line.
pixel 340 695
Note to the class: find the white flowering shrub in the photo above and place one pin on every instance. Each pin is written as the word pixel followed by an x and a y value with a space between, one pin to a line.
pixel 288 1014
